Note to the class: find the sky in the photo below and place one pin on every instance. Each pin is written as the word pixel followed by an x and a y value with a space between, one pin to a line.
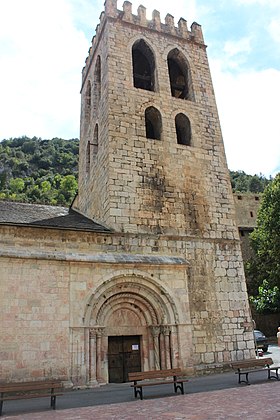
pixel 44 44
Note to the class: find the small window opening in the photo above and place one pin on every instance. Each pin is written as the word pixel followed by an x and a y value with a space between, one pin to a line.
pixel 257 198
pixel 153 123
pixel 97 84
pixel 95 141
pixel 183 129
pixel 88 158
pixel 143 66
pixel 251 214
pixel 178 75
pixel 239 197
pixel 242 233
pixel 88 101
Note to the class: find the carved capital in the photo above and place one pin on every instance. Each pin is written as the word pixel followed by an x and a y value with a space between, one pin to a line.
pixel 165 329
pixel 92 333
pixel 155 330
pixel 96 332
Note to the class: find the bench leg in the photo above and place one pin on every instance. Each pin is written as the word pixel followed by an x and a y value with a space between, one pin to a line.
pixel 179 385
pixel 138 391
pixel 53 401
pixel 276 376
pixel 246 380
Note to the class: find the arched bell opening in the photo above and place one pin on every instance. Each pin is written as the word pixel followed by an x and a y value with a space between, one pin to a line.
pixel 143 62
pixel 179 75
pixel 183 129
pixel 153 123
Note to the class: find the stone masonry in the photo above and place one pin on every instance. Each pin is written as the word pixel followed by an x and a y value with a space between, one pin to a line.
pixel 165 263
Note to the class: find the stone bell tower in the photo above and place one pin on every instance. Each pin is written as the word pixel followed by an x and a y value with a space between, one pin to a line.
pixel 153 170
pixel 151 151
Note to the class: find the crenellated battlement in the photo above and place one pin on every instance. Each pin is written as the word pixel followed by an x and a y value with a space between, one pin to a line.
pixel 126 15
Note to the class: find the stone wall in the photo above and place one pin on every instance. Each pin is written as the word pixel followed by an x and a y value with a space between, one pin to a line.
pixel 246 207
pixel 137 184
pixel 58 286
pixel 34 319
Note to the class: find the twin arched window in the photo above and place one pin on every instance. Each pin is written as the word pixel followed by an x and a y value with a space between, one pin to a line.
pixel 153 125
pixel 93 92
pixel 144 70
pixel 92 103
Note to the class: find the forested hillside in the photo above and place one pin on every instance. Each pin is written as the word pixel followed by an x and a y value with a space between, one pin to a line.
pixel 46 171
pixel 242 182
pixel 39 171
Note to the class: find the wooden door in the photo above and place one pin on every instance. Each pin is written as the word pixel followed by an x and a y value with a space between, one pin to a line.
pixel 123 357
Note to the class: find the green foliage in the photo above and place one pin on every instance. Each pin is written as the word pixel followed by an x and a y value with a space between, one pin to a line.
pixel 242 182
pixel 34 161
pixel 265 239
pixel 267 300
pixel 16 185
pixel 39 171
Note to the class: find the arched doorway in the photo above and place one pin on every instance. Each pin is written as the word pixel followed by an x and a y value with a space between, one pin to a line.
pixel 133 326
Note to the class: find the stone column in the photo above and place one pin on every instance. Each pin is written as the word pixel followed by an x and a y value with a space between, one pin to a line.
pixel 166 333
pixel 92 357
pixel 174 344
pixel 155 330
pixel 99 334
pixel 162 350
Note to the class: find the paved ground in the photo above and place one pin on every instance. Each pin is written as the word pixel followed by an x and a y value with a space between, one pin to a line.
pixel 256 402
pixel 208 397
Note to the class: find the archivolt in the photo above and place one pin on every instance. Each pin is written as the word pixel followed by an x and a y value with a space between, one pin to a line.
pixel 135 303
pixel 148 299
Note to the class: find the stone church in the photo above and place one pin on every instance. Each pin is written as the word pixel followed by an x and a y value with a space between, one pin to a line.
pixel 144 271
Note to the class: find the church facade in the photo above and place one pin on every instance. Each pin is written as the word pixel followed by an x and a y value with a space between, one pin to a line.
pixel 145 270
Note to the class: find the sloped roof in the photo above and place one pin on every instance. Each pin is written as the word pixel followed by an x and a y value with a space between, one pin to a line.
pixel 39 215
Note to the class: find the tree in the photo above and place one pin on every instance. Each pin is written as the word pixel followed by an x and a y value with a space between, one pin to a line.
pixel 255 184
pixel 17 185
pixel 242 182
pixel 267 300
pixel 265 240
pixel 32 170
pixel 68 187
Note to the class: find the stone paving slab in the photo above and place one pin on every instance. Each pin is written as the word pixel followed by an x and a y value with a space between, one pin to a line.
pixel 256 402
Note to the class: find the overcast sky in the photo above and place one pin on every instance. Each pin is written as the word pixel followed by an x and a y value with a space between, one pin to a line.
pixel 44 43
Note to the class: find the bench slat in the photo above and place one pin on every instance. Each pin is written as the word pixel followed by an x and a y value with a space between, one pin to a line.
pixel 24 390
pixel 159 383
pixel 29 387
pixel 152 374
pixel 22 397
pixel 243 364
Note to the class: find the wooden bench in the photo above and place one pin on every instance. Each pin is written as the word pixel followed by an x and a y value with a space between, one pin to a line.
pixel 244 367
pixel 172 374
pixel 34 389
